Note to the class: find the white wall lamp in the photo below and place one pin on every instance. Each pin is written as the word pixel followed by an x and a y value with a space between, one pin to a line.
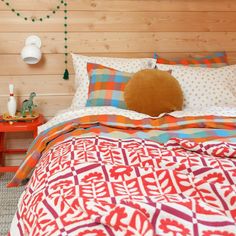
pixel 31 53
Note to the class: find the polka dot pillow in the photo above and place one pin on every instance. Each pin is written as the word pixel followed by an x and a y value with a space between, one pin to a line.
pixel 82 79
pixel 205 87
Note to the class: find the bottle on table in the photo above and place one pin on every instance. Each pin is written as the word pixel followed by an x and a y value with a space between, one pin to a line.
pixel 11 105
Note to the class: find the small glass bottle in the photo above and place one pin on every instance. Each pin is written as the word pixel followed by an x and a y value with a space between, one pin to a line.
pixel 11 105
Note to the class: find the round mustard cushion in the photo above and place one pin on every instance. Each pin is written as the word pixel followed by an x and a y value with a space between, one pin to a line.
pixel 153 92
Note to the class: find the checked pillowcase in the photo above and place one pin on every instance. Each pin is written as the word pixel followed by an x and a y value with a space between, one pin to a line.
pixel 215 60
pixel 106 87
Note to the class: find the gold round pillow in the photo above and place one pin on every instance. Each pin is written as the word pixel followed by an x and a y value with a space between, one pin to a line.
pixel 153 92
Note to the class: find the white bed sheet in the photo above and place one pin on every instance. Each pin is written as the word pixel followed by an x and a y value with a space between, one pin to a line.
pixel 70 114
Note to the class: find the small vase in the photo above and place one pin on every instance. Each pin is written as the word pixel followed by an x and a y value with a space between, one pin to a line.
pixel 11 105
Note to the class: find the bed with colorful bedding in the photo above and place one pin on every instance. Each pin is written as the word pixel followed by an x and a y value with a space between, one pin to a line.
pixel 107 171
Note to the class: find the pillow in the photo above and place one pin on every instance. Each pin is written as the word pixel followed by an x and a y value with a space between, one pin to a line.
pixel 215 60
pixel 153 92
pixel 81 75
pixel 106 87
pixel 205 87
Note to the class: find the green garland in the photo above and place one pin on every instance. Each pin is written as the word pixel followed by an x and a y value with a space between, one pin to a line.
pixel 66 73
pixel 34 19
pixel 48 16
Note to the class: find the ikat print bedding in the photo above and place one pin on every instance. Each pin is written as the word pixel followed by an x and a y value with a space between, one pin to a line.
pixel 114 173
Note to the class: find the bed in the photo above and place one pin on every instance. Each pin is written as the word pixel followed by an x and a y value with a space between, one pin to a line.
pixel 110 171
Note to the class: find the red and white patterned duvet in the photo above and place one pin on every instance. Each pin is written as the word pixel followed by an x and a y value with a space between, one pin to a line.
pixel 100 186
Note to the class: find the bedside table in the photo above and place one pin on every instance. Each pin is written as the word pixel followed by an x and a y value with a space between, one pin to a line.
pixel 16 126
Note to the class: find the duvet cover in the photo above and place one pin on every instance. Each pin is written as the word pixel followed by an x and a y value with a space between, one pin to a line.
pixel 111 174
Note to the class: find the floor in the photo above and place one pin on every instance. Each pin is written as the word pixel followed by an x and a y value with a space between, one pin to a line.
pixel 8 202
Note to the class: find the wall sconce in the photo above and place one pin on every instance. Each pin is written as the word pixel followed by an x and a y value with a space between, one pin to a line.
pixel 31 53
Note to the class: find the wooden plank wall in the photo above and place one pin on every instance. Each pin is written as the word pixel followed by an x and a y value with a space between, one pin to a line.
pixel 125 28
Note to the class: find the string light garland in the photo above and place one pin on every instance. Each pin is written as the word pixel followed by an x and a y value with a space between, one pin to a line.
pixel 66 73
pixel 34 19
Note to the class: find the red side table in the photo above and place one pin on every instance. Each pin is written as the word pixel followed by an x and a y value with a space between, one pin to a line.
pixel 16 126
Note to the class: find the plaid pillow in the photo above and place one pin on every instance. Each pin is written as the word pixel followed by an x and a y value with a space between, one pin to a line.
pixel 106 87
pixel 214 60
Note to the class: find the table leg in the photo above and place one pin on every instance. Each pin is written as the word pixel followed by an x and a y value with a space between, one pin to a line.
pixel 35 133
pixel 1 148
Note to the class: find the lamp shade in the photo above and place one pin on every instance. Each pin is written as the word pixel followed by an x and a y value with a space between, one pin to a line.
pixel 31 53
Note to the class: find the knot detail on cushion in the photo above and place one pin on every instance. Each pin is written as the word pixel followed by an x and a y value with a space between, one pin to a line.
pixel 153 92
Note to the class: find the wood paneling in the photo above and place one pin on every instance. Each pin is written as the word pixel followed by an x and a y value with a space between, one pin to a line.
pixel 116 28
pixel 50 64
pixel 24 84
pixel 129 5
pixel 105 42
pixel 14 160
pixel 47 105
